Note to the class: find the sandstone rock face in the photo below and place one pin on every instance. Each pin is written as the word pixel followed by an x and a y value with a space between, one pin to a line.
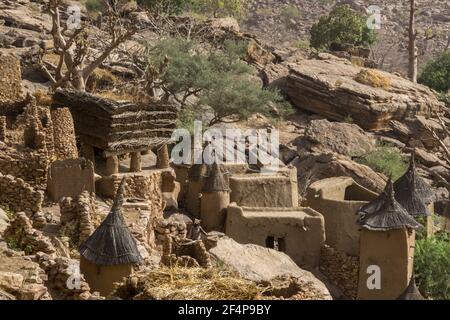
pixel 342 138
pixel 316 167
pixel 260 264
pixel 327 86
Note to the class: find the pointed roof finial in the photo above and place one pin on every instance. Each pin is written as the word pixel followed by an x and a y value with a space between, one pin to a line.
pixel 118 200
pixel 112 242
pixel 412 192
pixel 411 292
pixel 385 213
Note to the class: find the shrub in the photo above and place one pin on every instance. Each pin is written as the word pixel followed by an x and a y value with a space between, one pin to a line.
pixel 215 82
pixel 385 159
pixel 436 73
pixel 373 78
pixel 94 5
pixel 290 12
pixel 432 266
pixel 165 6
pixel 342 26
pixel 216 8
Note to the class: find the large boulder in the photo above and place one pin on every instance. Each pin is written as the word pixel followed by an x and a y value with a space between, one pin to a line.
pixel 343 138
pixel 265 265
pixel 4 221
pixel 337 89
pixel 314 167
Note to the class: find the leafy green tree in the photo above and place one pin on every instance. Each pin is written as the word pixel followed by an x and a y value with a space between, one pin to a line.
pixel 213 82
pixel 342 26
pixel 218 8
pixel 436 73
pixel 432 266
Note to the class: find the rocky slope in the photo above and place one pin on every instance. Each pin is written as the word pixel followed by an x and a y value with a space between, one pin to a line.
pixel 287 23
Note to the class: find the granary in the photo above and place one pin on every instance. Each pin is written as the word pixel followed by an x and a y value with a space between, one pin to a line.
pixel 195 175
pixel 110 253
pixel 338 200
pixel 298 232
pixel 411 292
pixel 387 243
pixel 111 130
pixel 415 195
pixel 215 199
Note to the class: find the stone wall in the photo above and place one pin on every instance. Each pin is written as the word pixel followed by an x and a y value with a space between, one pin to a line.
pixel 21 233
pixel 80 212
pixel 18 195
pixel 27 164
pixel 341 269
pixel 64 134
pixel 10 78
pixel 65 278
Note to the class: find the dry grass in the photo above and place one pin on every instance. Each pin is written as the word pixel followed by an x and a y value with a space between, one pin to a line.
pixel 176 283
pixel 43 99
pixel 373 78
pixel 101 79
pixel 117 96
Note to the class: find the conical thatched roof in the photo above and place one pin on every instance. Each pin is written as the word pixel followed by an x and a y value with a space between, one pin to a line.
pixel 216 180
pixel 411 292
pixel 412 192
pixel 112 243
pixel 385 213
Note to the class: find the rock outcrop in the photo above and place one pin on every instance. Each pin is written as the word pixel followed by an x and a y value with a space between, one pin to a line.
pixel 260 264
pixel 328 86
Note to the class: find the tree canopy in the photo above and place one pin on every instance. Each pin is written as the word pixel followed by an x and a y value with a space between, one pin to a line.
pixel 342 26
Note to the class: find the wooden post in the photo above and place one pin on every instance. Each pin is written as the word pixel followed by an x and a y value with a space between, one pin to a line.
pixel 162 161
pixel 112 165
pixel 135 162
pixel 88 153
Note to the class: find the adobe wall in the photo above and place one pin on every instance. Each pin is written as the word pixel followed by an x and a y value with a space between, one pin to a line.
pixel 301 228
pixel 393 252
pixel 328 197
pixel 101 278
pixel 213 210
pixel 19 196
pixel 264 190
pixel 69 178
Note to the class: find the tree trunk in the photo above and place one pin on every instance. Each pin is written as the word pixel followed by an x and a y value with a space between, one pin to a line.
pixel 412 48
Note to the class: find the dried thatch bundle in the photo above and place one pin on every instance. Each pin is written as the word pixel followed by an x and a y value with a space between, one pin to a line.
pixel 385 213
pixel 412 192
pixel 112 243
pixel 177 283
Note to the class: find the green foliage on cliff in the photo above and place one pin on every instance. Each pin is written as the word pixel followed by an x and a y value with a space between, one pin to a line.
pixel 342 26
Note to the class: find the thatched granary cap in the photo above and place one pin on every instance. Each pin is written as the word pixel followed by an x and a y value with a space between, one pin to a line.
pixel 411 292
pixel 112 243
pixel 216 180
pixel 412 192
pixel 385 213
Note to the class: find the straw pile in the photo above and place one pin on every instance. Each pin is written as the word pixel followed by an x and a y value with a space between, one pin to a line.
pixel 176 283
